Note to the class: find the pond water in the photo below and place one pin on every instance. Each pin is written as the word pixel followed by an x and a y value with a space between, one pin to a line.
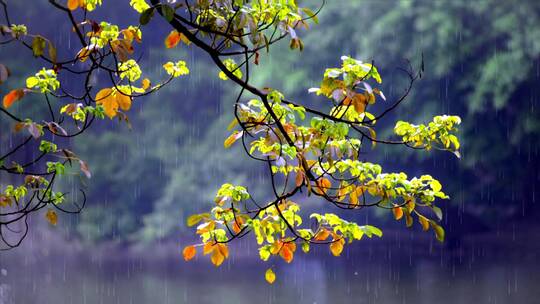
pixel 371 272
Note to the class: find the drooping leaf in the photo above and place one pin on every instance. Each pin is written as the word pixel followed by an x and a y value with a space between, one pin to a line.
pixel 51 217
pixel 398 212
pixel 439 231
pixel 146 16
pixel 336 247
pixel 38 45
pixel 168 12
pixel 424 222
pixel 232 138
pixel 4 73
pixel 84 168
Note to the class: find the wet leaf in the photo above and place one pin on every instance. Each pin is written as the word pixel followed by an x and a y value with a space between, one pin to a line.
pixel 4 73
pixel 398 212
pixel 38 46
pixel 189 252
pixel 232 138
pixel 424 222
pixel 146 83
pixel 173 39
pixel 337 247
pixel 12 97
pixel 270 276
pixel 168 12
pixel 146 16
pixel 193 220
pixel 51 217
pixel 84 168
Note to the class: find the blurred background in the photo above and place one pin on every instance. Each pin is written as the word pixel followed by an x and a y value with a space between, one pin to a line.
pixel 482 62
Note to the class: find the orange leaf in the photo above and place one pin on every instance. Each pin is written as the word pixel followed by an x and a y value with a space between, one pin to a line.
pixel 408 220
pixel 277 247
pixel 51 217
pixel 299 180
pixel 146 83
pixel 359 101
pixel 208 248
pixel 232 138
pixel 424 222
pixel 323 184
pixel 353 196
pixel 217 258
pixel 337 247
pixel 189 252
pixel 286 254
pixel 73 4
pixel 12 96
pixel 322 235
pixel 237 225
pixel 223 250
pixel 398 212
pixel 123 101
pixel 173 39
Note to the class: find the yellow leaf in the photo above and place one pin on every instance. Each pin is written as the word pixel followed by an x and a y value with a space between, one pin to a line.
pixel 192 220
pixel 12 96
pixel 270 276
pixel 232 138
pixel 51 217
pixel 189 252
pixel 172 39
pixel 398 213
pixel 336 247
pixel 233 124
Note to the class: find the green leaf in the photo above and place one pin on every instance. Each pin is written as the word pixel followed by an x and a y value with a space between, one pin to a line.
pixel 311 15
pixel 38 46
pixel 439 231
pixel 193 220
pixel 52 52
pixel 168 12
pixel 146 16
pixel 438 212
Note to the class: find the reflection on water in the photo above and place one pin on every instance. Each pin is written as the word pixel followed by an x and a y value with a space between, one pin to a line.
pixel 381 273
